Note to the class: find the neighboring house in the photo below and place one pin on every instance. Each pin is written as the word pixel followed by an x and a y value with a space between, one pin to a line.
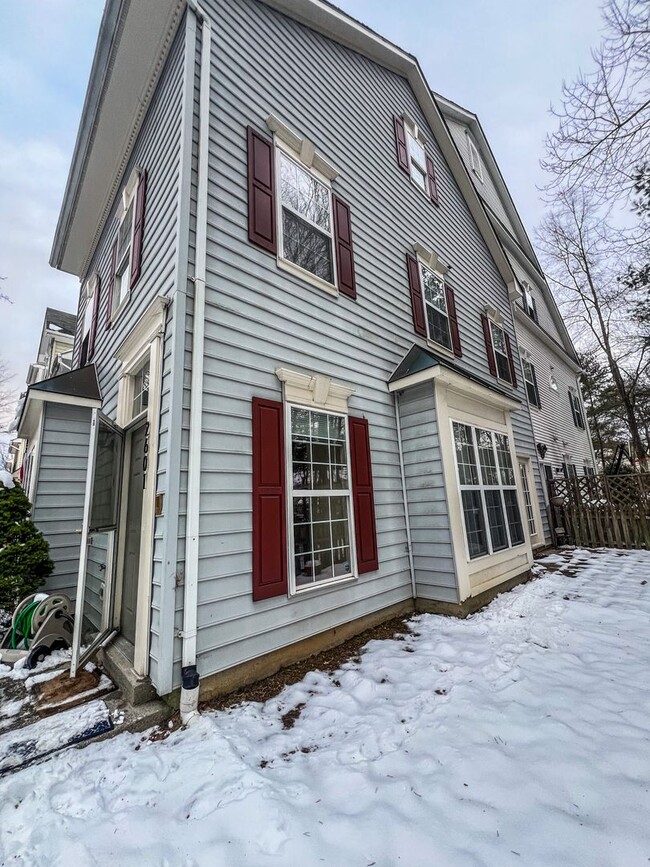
pixel 550 367
pixel 54 357
pixel 297 403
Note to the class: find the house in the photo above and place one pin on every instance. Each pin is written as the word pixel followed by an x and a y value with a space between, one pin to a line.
pixel 296 406
pixel 550 367
pixel 53 358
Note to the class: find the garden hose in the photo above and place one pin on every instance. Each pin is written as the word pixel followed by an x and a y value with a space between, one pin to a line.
pixel 23 626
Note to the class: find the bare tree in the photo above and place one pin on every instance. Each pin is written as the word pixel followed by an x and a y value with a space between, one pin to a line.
pixel 584 255
pixel 7 395
pixel 603 132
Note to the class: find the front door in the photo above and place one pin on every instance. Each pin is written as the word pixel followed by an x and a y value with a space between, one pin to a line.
pixel 132 534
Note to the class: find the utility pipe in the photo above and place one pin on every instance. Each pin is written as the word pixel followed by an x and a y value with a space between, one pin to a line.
pixel 409 545
pixel 190 686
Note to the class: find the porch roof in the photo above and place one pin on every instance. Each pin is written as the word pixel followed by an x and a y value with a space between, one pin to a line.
pixel 78 387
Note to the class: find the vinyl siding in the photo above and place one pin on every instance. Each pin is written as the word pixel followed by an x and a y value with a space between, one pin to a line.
pixel 60 489
pixel 258 317
pixel 433 556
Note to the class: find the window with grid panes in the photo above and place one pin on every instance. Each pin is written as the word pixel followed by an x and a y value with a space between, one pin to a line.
pixel 500 352
pixel 435 305
pixel 487 482
pixel 320 497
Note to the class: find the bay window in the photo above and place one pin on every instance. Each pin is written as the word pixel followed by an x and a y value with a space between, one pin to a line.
pixel 487 483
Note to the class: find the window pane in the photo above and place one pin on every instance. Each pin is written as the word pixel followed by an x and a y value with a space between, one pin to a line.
pixel 302 538
pixel 124 233
pixel 320 508
pixel 528 503
pixel 438 327
pixel 302 476
pixel 339 507
pixel 299 421
pixel 301 510
pixel 496 520
pixel 465 457
pixel 304 570
pixel 498 339
pixel 416 151
pixel 514 517
pixel 486 457
pixel 434 290
pixel 302 192
pixel 505 460
pixel 341 561
pixel 474 523
pixel 306 246
pixel 503 367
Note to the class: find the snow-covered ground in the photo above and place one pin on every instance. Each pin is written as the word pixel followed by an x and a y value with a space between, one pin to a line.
pixel 520 736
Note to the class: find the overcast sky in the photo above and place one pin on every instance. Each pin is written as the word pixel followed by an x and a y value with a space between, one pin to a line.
pixel 504 59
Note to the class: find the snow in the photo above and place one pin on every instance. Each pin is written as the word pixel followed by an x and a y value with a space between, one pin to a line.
pixel 6 479
pixel 519 736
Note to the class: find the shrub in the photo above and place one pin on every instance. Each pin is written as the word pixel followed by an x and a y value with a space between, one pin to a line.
pixel 24 554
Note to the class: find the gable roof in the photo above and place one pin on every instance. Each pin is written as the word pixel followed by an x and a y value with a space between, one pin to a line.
pixel 58 320
pixel 133 42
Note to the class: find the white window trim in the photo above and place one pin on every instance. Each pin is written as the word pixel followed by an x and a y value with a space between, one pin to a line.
pixel 536 538
pixel 482 488
pixel 411 128
pixel 281 146
pixel 474 158
pixel 302 149
pixel 526 359
pixel 89 293
pixel 128 197
pixel 492 321
pixel 431 260
pixel 337 580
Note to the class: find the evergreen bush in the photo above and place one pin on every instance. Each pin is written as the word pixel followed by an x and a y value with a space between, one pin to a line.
pixel 24 554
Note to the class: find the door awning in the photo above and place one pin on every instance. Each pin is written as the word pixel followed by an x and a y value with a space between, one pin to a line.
pixel 420 365
pixel 77 388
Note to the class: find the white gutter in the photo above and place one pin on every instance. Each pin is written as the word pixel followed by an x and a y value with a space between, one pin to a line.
pixel 409 544
pixel 190 688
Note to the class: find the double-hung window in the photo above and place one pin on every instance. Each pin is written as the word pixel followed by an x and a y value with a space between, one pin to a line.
pixel 576 410
pixel 320 497
pixel 417 159
pixel 488 490
pixel 305 219
pixel 501 357
pixel 435 306
pixel 89 322
pixel 529 303
pixel 122 282
pixel 528 500
pixel 530 379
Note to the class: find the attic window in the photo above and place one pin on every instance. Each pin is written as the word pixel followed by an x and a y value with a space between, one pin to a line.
pixel 528 300
pixel 474 159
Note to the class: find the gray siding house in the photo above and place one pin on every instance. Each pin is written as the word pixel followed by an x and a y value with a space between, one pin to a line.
pixel 304 403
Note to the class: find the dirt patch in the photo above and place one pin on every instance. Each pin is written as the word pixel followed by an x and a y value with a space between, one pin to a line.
pixel 289 718
pixel 64 692
pixel 327 661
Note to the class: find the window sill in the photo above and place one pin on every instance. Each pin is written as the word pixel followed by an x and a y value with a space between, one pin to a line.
pixel 499 553
pixel 319 585
pixel 307 276
pixel 438 347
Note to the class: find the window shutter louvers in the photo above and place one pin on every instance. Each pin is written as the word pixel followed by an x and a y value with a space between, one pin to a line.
pixel 138 229
pixel 431 174
pixel 111 284
pixel 400 145
pixel 487 334
pixel 513 372
pixel 344 254
pixel 417 304
pixel 261 192
pixel 93 325
pixel 538 402
pixel 363 496
pixel 269 500
pixel 453 321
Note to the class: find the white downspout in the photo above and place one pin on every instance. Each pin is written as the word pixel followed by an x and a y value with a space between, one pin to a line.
pixel 190 689
pixel 409 544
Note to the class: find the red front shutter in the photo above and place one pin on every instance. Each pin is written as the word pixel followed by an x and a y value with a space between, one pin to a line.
pixel 487 334
pixel 363 496
pixel 417 304
pixel 138 229
pixel 453 321
pixel 93 325
pixel 513 372
pixel 269 500
pixel 261 191
pixel 111 284
pixel 343 243
pixel 400 144
pixel 431 174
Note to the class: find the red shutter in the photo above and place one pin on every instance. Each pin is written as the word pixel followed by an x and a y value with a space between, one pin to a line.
pixel 111 284
pixel 261 191
pixel 431 174
pixel 400 144
pixel 138 228
pixel 487 334
pixel 269 511
pixel 513 371
pixel 453 321
pixel 343 242
pixel 417 303
pixel 93 324
pixel 363 496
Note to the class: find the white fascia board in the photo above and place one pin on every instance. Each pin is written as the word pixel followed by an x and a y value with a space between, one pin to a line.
pixel 338 26
pixel 524 320
pixel 458 383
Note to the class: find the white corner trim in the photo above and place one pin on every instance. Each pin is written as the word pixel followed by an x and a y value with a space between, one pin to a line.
pixel 303 148
pixel 431 259
pixel 151 323
pixel 314 390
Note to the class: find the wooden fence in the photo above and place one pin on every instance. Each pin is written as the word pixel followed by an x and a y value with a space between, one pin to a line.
pixel 602 511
